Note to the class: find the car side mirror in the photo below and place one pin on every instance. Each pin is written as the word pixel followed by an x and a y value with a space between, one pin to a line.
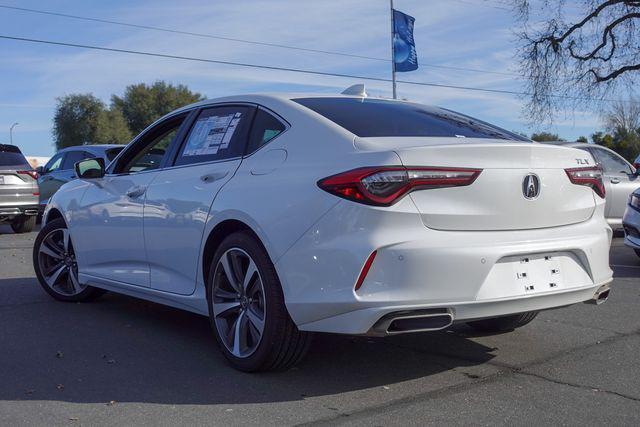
pixel 90 168
pixel 40 170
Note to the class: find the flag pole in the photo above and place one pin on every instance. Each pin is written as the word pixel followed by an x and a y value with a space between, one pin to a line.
pixel 393 63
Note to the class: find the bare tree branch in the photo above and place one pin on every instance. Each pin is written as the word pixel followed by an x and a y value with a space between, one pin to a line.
pixel 587 56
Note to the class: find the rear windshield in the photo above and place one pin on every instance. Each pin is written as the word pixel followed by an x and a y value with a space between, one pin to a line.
pixel 10 155
pixel 113 152
pixel 368 117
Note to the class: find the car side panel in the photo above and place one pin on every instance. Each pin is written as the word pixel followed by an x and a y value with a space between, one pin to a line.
pixel 175 215
pixel 275 190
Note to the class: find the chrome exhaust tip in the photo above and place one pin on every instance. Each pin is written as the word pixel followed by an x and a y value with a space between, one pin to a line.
pixel 601 295
pixel 403 322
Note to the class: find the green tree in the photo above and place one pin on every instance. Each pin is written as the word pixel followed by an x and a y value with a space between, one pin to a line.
pixel 545 137
pixel 111 128
pixel 604 139
pixel 582 139
pixel 75 119
pixel 622 121
pixel 142 104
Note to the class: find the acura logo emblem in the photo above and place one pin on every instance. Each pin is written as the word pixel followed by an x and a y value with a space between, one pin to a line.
pixel 531 186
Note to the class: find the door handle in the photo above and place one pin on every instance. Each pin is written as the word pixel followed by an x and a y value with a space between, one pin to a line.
pixel 136 191
pixel 211 177
pixel 615 181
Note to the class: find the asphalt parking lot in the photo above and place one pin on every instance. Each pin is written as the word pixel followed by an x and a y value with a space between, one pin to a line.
pixel 121 361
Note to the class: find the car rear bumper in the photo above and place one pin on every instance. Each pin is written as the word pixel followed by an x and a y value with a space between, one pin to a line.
pixel 377 321
pixel 472 274
pixel 12 211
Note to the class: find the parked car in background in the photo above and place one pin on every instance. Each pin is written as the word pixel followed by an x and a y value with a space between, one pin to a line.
pixel 620 179
pixel 278 216
pixel 631 222
pixel 636 162
pixel 59 169
pixel 18 190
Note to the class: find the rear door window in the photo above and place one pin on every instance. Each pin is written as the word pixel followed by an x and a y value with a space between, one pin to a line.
pixel 366 117
pixel 265 128
pixel 218 133
pixel 611 163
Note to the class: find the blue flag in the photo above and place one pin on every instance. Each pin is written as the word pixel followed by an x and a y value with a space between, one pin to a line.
pixel 405 57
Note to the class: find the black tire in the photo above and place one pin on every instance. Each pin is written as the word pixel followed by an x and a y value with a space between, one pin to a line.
pixel 281 345
pixel 88 294
pixel 503 324
pixel 23 224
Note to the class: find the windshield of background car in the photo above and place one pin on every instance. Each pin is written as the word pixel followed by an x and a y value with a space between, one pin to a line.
pixel 366 117
pixel 11 156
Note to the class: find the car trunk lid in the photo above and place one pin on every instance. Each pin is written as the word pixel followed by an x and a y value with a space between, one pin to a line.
pixel 496 200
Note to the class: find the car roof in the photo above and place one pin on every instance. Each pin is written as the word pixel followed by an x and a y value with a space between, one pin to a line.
pixel 257 98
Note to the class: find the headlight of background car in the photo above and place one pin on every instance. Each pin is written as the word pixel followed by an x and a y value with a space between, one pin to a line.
pixel 634 201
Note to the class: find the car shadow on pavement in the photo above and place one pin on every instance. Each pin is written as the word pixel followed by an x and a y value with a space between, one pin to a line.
pixel 127 350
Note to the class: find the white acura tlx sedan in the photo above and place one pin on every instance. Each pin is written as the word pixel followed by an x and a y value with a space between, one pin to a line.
pixel 278 216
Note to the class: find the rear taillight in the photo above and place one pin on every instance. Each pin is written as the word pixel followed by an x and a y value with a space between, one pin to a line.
pixel 32 174
pixel 383 186
pixel 636 165
pixel 591 177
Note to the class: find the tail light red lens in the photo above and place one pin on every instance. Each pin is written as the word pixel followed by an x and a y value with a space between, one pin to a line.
pixel 591 177
pixel 32 174
pixel 365 269
pixel 383 186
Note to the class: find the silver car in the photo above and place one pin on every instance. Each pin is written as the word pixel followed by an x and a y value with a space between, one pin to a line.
pixel 620 179
pixel 59 170
pixel 631 222
pixel 18 190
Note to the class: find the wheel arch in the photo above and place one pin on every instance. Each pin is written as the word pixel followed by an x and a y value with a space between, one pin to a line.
pixel 53 214
pixel 217 235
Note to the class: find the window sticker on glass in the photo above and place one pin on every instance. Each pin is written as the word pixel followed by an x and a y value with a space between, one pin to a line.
pixel 211 134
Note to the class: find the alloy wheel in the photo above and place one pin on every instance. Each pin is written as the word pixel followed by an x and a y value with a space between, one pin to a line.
pixel 238 302
pixel 58 265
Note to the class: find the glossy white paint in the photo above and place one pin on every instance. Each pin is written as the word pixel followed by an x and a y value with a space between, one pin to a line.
pixel 151 246
pixel 176 211
pixel 108 232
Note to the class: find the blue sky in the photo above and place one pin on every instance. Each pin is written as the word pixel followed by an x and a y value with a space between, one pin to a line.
pixel 459 33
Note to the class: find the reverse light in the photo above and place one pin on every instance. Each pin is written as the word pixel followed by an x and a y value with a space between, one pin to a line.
pixel 591 177
pixel 32 174
pixel 383 186
pixel 634 200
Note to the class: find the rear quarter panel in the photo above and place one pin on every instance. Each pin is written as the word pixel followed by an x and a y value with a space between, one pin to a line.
pixel 275 189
